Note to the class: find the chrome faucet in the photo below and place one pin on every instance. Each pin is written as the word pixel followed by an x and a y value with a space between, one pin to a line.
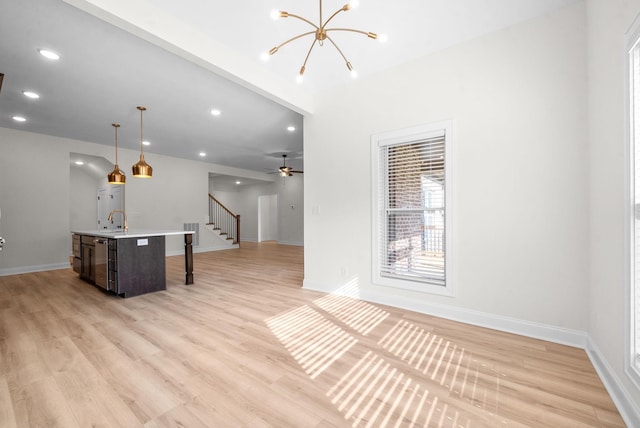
pixel 124 216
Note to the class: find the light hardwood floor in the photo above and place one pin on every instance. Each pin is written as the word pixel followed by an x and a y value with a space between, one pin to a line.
pixel 245 346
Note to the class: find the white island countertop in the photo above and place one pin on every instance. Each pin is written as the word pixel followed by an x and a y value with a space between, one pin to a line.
pixel 131 233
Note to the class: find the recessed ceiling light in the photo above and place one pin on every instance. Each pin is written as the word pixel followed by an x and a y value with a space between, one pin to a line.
pixel 30 94
pixel 202 154
pixel 79 163
pixel 19 119
pixel 238 182
pixel 215 112
pixel 49 54
pixel 291 128
pixel 146 143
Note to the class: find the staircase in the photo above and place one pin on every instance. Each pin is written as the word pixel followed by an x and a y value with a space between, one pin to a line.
pixel 223 222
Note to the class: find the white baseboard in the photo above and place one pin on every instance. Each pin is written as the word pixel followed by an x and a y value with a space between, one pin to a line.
pixel 199 250
pixel 299 244
pixel 625 405
pixel 29 269
pixel 579 339
pixel 550 333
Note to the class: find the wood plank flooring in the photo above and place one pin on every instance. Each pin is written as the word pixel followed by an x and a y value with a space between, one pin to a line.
pixel 245 346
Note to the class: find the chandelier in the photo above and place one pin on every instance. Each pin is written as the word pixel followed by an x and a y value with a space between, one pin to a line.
pixel 320 34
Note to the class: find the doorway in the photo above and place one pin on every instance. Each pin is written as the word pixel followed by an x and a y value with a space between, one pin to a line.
pixel 267 218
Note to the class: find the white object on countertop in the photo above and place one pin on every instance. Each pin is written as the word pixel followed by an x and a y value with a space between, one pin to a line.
pixel 135 233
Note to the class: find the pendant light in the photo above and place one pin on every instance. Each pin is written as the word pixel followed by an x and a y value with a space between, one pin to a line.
pixel 142 169
pixel 116 176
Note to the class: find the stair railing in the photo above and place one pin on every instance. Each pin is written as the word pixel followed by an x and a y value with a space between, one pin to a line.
pixel 224 220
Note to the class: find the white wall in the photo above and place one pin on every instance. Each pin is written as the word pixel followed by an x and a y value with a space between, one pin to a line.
pixel 35 204
pixel 607 22
pixel 521 223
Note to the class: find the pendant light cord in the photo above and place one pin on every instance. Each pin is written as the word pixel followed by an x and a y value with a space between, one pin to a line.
pixel 141 127
pixel 115 128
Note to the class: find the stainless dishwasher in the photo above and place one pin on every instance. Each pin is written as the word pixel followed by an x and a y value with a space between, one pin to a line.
pixel 101 267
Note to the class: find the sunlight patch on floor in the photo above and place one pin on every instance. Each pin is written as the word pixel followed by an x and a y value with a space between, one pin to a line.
pixel 411 379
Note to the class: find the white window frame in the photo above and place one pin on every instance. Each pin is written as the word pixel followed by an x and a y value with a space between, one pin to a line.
pixel 408 135
pixel 631 359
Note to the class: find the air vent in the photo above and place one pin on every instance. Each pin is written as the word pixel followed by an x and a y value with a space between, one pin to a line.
pixel 195 227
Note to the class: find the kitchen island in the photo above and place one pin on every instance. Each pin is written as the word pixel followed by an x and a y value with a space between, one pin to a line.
pixel 127 263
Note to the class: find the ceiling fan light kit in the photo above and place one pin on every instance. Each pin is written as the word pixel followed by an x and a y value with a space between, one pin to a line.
pixel 320 34
pixel 287 171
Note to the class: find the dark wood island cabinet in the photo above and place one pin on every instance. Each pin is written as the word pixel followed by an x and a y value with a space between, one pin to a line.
pixel 127 264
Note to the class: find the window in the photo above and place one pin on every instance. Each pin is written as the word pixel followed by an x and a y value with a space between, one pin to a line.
pixel 632 360
pixel 412 208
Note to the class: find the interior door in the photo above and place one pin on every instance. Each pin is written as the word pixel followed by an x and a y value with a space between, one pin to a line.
pixel 267 218
pixel 104 208
pixel 117 203
pixel 109 199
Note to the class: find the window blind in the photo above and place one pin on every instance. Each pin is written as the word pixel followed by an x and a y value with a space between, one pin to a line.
pixel 413 197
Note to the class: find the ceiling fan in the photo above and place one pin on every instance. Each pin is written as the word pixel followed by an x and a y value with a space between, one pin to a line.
pixel 287 171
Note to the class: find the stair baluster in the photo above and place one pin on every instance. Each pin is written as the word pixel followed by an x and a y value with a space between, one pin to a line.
pixel 224 220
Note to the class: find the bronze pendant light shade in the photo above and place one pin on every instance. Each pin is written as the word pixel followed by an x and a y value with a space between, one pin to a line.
pixel 142 169
pixel 116 176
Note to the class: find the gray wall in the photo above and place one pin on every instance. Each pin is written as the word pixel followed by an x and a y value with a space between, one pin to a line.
pixel 243 200
pixel 36 206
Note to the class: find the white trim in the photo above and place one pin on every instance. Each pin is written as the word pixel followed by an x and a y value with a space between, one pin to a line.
pixel 632 37
pixel 535 330
pixel 627 408
pixel 199 250
pixel 405 135
pixel 296 243
pixel 29 269
pixel 624 403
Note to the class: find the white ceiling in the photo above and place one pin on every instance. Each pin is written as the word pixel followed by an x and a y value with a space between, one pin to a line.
pixel 115 56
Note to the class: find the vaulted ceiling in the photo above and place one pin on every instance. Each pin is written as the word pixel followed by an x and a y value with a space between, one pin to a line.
pixel 183 59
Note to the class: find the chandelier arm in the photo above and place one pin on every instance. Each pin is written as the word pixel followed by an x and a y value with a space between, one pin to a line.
pixel 332 16
pixel 304 65
pixel 286 42
pixel 339 50
pixel 366 33
pixel 303 19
